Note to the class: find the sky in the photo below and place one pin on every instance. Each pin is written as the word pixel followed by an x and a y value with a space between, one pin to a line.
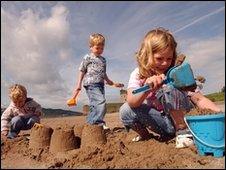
pixel 44 42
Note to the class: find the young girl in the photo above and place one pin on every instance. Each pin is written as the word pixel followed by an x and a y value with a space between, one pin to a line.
pixel 155 57
pixel 21 114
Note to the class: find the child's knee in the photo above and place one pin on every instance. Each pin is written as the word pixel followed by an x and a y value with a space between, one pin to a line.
pixel 16 120
pixel 16 123
pixel 32 121
pixel 123 110
pixel 126 114
pixel 170 131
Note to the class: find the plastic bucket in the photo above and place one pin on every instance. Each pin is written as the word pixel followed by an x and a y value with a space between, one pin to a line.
pixel 208 132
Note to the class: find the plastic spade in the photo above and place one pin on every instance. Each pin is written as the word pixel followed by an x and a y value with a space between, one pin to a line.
pixel 180 76
pixel 73 101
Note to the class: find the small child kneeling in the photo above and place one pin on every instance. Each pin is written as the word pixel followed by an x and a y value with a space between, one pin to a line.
pixel 21 114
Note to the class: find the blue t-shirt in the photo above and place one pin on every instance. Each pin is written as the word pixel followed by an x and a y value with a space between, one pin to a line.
pixel 94 68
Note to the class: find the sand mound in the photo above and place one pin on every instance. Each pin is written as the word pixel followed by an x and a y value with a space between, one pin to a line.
pixel 63 140
pixel 78 130
pixel 197 111
pixel 40 137
pixel 118 152
pixel 92 136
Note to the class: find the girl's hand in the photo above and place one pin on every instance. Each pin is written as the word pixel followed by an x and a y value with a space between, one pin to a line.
pixel 155 82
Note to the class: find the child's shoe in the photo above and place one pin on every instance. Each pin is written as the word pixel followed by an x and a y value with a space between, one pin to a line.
pixel 137 139
pixel 184 139
pixel 141 130
pixel 105 127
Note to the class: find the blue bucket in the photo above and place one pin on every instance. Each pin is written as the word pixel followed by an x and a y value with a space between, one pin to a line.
pixel 208 132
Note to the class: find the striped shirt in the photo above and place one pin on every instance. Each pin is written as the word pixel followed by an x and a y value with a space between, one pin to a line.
pixel 94 68
pixel 30 108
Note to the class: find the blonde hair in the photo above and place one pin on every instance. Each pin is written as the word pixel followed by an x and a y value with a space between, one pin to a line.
pixel 96 39
pixel 17 92
pixel 154 41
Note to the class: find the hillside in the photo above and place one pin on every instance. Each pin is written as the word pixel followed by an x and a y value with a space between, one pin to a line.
pixel 111 107
pixel 48 112
pixel 215 97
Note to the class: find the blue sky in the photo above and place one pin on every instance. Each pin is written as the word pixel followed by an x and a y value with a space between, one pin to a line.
pixel 43 43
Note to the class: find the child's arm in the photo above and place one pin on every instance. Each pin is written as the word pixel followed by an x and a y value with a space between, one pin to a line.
pixel 135 100
pixel 79 85
pixel 5 119
pixel 32 109
pixel 38 110
pixel 111 83
pixel 203 102
pixel 73 101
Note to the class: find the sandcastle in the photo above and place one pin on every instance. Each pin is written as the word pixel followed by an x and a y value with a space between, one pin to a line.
pixel 40 136
pixel 78 133
pixel 78 130
pixel 66 138
pixel 63 139
pixel 92 136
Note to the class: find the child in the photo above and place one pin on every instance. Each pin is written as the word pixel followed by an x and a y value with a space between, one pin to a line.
pixel 93 74
pixel 21 114
pixel 156 55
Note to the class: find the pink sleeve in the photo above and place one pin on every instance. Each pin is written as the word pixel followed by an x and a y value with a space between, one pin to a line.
pixel 6 118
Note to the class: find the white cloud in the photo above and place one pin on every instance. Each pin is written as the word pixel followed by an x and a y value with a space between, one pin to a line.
pixel 34 50
pixel 200 19
pixel 43 42
pixel 207 58
pixel 205 52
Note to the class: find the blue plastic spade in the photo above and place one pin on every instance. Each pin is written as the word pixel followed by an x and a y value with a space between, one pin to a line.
pixel 181 77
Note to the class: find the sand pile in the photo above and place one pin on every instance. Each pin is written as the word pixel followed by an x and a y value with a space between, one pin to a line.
pixel 92 136
pixel 63 140
pixel 66 138
pixel 198 111
pixel 40 136
pixel 108 149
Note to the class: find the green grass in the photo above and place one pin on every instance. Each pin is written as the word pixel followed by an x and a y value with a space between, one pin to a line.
pixel 215 97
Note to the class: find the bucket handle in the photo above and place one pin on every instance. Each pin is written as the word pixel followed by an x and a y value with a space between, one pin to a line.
pixel 201 141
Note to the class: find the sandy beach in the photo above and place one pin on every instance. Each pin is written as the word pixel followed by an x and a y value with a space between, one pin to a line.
pixel 118 152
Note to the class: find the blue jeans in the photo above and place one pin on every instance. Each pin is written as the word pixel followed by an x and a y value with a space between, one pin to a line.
pixel 159 122
pixel 97 103
pixel 156 121
pixel 172 98
pixel 19 123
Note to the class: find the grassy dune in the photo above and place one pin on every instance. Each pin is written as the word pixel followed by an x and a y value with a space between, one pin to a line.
pixel 216 97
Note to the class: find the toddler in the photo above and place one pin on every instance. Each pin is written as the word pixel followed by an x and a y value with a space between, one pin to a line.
pixel 21 114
